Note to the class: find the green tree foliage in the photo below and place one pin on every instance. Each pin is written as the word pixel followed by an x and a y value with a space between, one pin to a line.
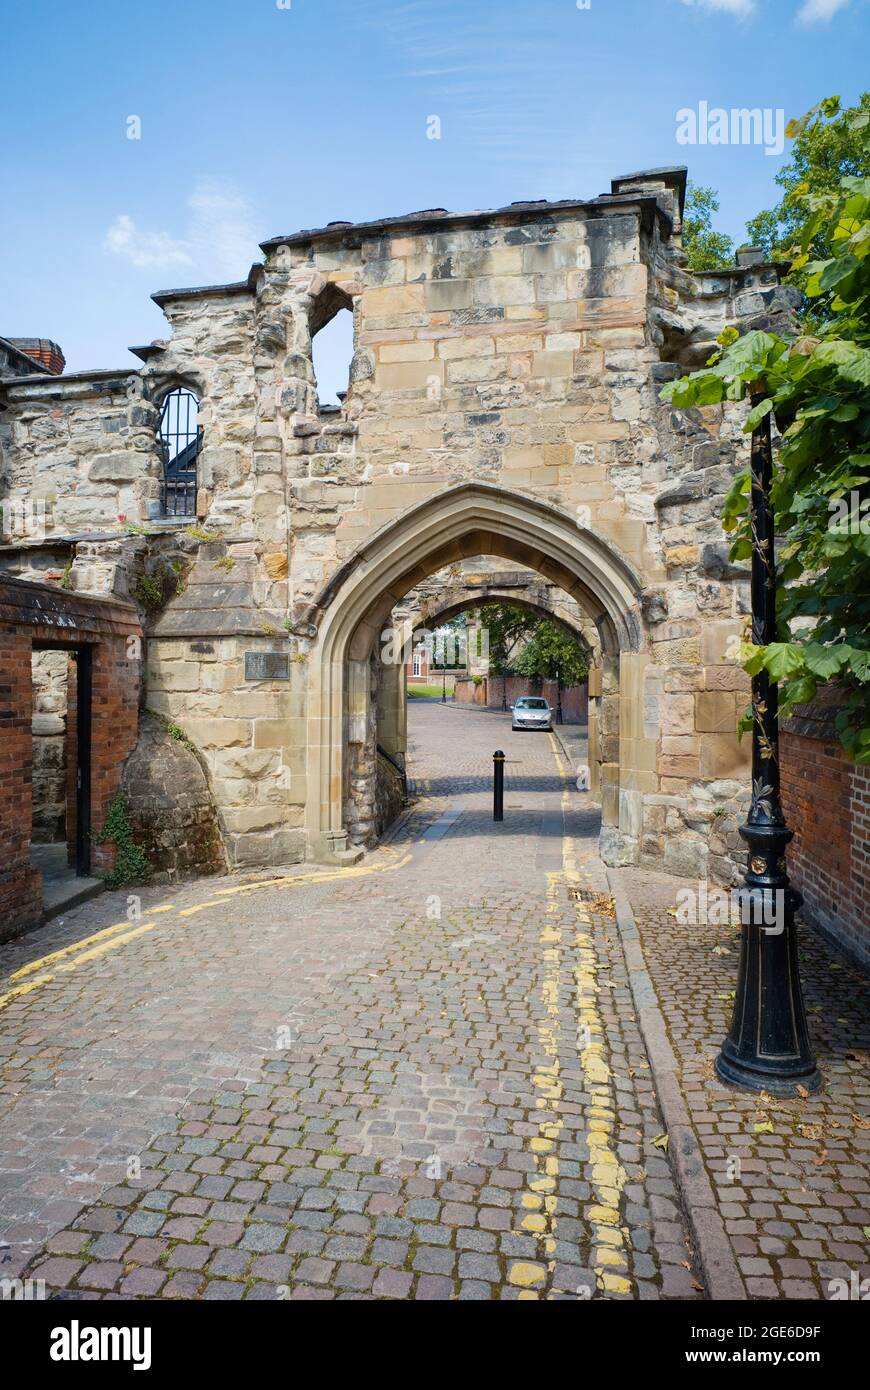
pixel 525 643
pixel 818 388
pixel 706 249
pixel 552 654
pixel 508 626
pixel 829 145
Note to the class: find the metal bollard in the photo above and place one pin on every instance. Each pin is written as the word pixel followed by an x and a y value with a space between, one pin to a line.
pixel 498 785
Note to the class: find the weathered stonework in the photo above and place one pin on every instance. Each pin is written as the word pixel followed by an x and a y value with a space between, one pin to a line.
pixel 172 813
pixel 504 400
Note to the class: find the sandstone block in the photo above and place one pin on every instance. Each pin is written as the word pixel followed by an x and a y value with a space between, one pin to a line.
pixel 276 565
pixel 447 294
pixel 715 711
pixel 395 300
pixel 407 352
pixel 723 755
pixel 403 376
pixel 218 733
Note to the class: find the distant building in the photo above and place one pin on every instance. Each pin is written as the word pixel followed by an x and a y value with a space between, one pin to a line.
pixel 30 357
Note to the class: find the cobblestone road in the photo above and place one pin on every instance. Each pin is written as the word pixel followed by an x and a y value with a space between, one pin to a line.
pixel 792 1177
pixel 419 1078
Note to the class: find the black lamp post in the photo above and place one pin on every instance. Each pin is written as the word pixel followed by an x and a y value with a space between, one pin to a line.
pixel 767 1047
pixel 443 683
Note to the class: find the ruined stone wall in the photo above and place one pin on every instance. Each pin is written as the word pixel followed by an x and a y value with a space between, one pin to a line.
pixel 84 447
pixel 482 353
pixel 251 738
pixel 524 348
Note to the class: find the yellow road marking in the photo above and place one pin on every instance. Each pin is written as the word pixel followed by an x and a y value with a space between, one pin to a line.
pixel 106 947
pixel 608 1177
pixel 92 947
pixel 70 950
pixel 362 872
pixel 76 960
pixel 539 1199
pixel 24 989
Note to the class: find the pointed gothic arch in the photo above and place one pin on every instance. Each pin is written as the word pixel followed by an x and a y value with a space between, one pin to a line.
pixel 463 521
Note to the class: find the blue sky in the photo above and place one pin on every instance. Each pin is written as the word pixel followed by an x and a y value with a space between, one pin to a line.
pixel 260 117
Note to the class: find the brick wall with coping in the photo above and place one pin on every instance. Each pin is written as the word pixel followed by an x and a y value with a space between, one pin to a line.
pixel 37 613
pixel 826 799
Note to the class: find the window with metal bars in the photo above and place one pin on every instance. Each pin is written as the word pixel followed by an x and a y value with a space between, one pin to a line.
pixel 180 440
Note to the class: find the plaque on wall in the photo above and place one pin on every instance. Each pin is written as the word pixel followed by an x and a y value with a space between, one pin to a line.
pixel 267 666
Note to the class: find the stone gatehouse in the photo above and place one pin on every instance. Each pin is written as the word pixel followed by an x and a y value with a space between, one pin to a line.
pixel 503 401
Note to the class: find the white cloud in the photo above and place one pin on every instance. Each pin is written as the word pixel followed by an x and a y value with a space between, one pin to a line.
pixel 152 249
pixel 222 231
pixel 740 8
pixel 819 11
pixel 220 237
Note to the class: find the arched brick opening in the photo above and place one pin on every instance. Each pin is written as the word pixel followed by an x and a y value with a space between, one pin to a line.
pixel 465 521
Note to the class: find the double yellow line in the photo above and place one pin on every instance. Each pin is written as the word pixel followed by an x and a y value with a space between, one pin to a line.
pixel 47 968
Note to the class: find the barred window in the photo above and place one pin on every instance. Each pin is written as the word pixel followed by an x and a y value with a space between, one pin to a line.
pixel 180 439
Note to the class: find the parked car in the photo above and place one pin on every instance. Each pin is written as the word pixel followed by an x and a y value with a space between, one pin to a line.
pixel 531 712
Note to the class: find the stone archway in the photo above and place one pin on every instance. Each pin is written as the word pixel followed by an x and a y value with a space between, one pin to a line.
pixel 431 616
pixel 546 601
pixel 467 520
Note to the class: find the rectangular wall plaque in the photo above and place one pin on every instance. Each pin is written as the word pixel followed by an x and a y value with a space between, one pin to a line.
pixel 267 666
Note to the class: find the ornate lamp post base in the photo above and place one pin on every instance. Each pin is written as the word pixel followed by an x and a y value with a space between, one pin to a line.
pixel 735 1074
pixel 768 1047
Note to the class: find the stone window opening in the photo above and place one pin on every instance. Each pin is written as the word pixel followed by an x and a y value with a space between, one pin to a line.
pixel 332 346
pixel 180 438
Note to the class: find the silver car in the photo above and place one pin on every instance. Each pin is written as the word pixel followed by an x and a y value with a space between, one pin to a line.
pixel 531 712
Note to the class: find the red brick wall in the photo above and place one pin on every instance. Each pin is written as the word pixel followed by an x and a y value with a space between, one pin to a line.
pixel 114 728
pixel 20 885
pixel 489 692
pixel 826 799
pixel 72 759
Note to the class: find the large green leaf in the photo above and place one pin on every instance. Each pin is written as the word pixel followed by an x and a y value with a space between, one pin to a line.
pixel 823 661
pixel 782 659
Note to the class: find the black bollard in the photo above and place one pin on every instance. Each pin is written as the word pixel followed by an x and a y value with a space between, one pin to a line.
pixel 498 785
